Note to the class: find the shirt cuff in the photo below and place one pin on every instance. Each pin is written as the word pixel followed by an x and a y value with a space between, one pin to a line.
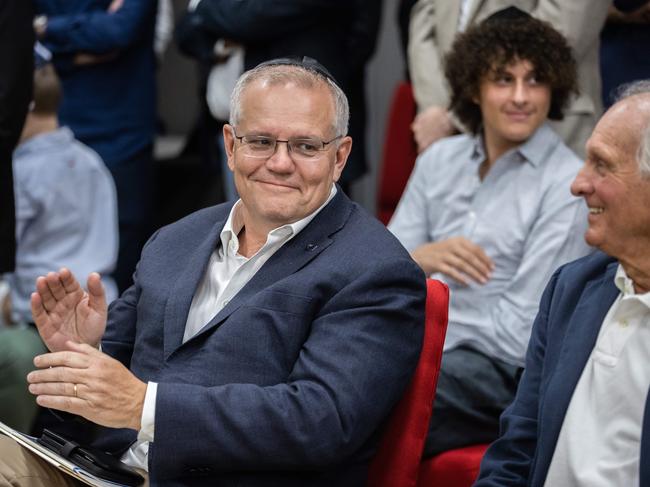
pixel 148 413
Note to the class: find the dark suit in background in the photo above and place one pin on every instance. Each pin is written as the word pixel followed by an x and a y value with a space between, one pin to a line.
pixel 16 75
pixel 623 49
pixel 340 34
pixel 110 103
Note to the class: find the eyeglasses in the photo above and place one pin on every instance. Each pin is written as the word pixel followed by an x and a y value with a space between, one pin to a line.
pixel 263 146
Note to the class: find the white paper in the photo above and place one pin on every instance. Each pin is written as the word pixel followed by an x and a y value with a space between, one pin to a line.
pixel 54 459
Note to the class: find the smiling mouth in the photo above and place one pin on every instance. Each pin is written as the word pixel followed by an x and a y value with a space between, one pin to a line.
pixel 518 115
pixel 276 184
pixel 595 210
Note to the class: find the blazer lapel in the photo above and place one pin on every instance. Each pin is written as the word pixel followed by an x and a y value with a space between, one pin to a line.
pixel 578 343
pixel 291 257
pixel 182 292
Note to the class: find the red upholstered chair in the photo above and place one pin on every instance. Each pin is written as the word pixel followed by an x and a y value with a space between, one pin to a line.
pixel 453 468
pixel 397 461
pixel 399 152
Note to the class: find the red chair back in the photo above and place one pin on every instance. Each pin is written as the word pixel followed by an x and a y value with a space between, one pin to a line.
pixel 453 468
pixel 397 461
pixel 399 152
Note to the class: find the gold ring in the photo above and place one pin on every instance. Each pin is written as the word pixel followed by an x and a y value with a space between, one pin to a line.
pixel 75 390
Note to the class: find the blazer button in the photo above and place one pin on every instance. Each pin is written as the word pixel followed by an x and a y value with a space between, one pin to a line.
pixel 311 247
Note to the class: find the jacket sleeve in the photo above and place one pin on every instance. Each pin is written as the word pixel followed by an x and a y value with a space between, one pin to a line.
pixel 509 459
pixel 259 20
pixel 360 351
pixel 425 57
pixel 99 31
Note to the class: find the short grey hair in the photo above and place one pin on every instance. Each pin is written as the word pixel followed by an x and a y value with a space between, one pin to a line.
pixel 627 90
pixel 277 74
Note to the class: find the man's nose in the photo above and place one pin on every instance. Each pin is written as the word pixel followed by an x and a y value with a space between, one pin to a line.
pixel 281 160
pixel 580 185
pixel 520 92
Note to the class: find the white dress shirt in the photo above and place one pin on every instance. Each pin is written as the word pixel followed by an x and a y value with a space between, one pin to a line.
pixel 226 274
pixel 600 440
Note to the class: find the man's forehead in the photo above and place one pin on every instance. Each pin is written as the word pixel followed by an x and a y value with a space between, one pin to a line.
pixel 271 108
pixel 262 90
pixel 624 123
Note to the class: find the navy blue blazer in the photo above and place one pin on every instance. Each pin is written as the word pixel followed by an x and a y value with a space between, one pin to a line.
pixel 572 309
pixel 289 384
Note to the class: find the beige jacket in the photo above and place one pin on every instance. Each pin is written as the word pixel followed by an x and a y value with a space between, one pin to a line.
pixel 433 27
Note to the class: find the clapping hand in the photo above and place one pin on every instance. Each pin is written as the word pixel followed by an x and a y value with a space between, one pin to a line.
pixel 64 312
pixel 84 381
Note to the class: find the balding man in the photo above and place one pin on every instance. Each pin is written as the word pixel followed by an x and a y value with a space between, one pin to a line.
pixel 262 343
pixel 581 416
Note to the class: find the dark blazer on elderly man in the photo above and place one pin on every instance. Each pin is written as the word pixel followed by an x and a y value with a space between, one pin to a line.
pixel 571 312
pixel 290 383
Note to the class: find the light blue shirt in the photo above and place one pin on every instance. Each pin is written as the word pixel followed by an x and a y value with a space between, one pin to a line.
pixel 66 215
pixel 522 215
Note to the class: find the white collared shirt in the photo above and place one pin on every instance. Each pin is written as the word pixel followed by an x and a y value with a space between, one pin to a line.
pixel 226 274
pixel 600 440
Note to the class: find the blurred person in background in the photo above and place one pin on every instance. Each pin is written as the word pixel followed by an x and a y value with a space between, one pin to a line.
pixel 434 26
pixel 624 45
pixel 66 215
pixel 103 53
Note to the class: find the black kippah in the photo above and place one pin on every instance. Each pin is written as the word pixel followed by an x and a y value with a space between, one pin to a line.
pixel 310 64
pixel 508 13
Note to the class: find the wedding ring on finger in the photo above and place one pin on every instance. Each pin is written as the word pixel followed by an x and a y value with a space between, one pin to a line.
pixel 74 388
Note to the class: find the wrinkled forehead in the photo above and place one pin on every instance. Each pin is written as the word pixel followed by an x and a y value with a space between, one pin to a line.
pixel 279 95
pixel 625 122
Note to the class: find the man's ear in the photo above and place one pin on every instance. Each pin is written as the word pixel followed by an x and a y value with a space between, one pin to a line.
pixel 229 144
pixel 342 153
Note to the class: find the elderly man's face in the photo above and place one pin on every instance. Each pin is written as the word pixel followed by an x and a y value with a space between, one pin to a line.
pixel 617 195
pixel 283 188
